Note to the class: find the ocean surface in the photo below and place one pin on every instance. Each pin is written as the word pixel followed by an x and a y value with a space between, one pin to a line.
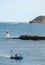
pixel 33 52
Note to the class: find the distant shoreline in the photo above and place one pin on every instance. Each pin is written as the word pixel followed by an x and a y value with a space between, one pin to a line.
pixel 39 19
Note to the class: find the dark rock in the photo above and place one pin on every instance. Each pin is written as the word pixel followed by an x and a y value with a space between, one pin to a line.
pixel 28 37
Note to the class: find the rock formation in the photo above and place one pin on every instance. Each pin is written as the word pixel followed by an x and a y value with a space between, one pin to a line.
pixel 39 19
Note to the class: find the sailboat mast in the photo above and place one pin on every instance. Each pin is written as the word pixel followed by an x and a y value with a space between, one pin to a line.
pixel 11 52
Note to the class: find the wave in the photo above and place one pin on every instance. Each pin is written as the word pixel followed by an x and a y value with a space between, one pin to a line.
pixel 6 56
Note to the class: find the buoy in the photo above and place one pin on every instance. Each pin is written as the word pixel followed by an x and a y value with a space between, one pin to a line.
pixel 7 34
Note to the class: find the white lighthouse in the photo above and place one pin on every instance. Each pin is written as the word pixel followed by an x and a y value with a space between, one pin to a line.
pixel 7 34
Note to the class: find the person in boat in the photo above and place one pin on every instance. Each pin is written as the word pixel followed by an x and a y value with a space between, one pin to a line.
pixel 17 56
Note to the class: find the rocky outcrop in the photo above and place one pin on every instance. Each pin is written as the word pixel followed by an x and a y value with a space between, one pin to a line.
pixel 30 37
pixel 39 19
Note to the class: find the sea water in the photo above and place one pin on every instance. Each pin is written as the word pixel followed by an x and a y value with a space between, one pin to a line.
pixel 33 52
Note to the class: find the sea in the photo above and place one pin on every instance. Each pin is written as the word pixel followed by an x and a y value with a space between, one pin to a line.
pixel 33 52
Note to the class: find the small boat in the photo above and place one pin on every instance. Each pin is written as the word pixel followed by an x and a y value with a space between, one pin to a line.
pixel 17 56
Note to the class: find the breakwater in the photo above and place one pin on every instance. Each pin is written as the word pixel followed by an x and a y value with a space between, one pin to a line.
pixel 28 37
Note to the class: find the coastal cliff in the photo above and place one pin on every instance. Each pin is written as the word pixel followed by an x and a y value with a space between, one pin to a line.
pixel 39 19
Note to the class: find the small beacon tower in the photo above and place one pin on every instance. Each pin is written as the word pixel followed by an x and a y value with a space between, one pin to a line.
pixel 7 34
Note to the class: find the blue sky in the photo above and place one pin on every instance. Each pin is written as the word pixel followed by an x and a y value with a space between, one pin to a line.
pixel 21 10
